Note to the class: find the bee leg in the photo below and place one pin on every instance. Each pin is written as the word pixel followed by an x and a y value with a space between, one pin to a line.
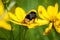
pixel 27 21
pixel 34 20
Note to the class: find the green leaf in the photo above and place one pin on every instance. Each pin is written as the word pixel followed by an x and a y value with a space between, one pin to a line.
pixel 19 32
pixel 36 33
pixel 4 34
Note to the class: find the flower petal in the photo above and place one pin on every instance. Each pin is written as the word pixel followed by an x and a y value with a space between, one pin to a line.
pixel 1 8
pixel 41 22
pixel 56 9
pixel 48 29
pixel 20 13
pixel 19 23
pixel 57 26
pixel 58 16
pixel 32 25
pixel 5 25
pixel 50 11
pixel 13 17
pixel 42 12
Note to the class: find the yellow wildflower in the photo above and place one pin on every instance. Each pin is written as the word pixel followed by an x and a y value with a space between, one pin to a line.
pixel 19 17
pixel 50 15
pixel 3 22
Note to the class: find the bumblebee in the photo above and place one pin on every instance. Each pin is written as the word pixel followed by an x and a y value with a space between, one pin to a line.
pixel 30 17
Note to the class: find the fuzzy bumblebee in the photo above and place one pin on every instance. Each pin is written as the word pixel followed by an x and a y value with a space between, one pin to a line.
pixel 31 16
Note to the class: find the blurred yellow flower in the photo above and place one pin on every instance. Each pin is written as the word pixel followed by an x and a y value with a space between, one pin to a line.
pixel 50 15
pixel 19 17
pixel 3 22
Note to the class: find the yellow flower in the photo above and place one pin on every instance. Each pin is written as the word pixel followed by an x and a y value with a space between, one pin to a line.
pixel 3 22
pixel 19 17
pixel 50 15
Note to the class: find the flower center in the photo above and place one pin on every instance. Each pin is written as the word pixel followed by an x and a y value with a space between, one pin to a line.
pixel 55 21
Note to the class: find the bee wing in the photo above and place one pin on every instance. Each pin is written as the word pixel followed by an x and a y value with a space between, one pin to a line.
pixel 20 13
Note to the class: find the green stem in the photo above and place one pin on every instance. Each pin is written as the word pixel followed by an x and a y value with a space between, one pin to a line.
pixel 22 32
pixel 11 33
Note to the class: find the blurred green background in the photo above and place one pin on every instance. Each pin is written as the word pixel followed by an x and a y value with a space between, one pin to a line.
pixel 23 33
